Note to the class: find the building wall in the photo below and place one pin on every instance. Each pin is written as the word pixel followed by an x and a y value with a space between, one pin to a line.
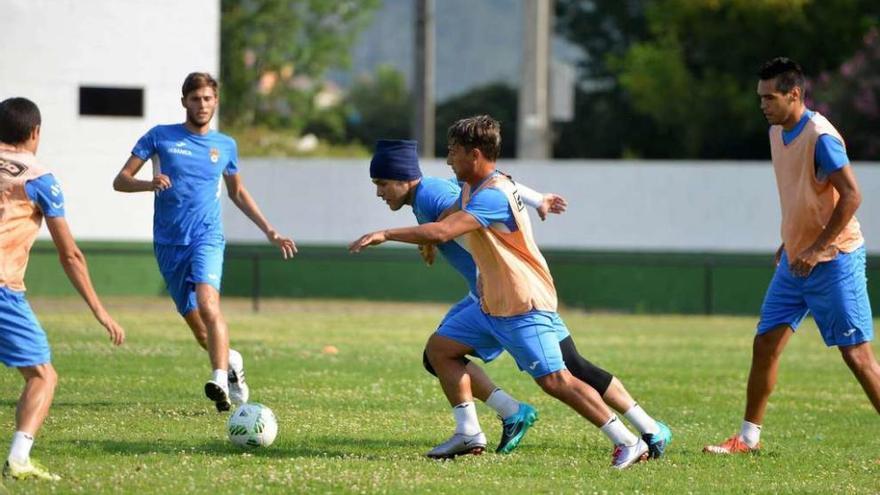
pixel 613 205
pixel 52 47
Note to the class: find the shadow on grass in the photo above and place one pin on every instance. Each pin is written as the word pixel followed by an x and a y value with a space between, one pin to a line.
pixel 318 447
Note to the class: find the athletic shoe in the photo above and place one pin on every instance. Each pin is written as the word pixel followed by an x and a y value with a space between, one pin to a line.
pixel 625 456
pixel 239 392
pixel 514 428
pixel 657 442
pixel 27 470
pixel 459 444
pixel 733 445
pixel 219 395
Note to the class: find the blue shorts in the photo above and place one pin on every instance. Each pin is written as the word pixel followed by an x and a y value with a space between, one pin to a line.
pixel 183 267
pixel 532 338
pixel 836 292
pixel 22 340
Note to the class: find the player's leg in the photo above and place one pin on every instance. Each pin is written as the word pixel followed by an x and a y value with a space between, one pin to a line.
pixel 445 356
pixel 23 345
pixel 516 417
pixel 655 433
pixel 782 311
pixel 533 341
pixel 238 388
pixel 837 294
pixel 217 388
pixel 197 326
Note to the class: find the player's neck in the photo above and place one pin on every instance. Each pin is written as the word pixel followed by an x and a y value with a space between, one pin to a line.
pixel 792 121
pixel 26 147
pixel 196 128
pixel 481 172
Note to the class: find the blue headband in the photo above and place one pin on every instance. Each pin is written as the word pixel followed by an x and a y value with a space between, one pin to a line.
pixel 395 159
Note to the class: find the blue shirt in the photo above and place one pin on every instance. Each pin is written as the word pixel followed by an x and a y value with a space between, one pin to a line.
pixel 830 154
pixel 490 205
pixel 46 193
pixel 432 197
pixel 190 209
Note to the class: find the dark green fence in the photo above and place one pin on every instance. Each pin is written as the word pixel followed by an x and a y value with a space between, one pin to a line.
pixel 626 282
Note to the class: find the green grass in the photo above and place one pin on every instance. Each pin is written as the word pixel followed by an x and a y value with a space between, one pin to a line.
pixel 133 420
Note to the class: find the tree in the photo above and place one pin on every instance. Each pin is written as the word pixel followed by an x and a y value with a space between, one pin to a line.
pixel 273 53
pixel 380 107
pixel 498 100
pixel 689 66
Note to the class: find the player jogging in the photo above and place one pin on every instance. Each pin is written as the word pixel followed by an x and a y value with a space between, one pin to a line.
pixel 189 160
pixel 28 193
pixel 517 310
pixel 820 266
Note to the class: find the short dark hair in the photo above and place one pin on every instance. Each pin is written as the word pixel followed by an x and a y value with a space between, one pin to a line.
pixel 18 119
pixel 480 131
pixel 198 80
pixel 787 72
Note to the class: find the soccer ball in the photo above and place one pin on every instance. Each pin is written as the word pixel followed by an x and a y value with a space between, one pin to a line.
pixel 252 425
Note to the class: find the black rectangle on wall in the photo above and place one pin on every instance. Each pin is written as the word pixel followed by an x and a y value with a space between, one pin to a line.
pixel 116 102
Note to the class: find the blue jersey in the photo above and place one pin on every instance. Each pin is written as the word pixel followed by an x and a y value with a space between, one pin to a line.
pixel 830 154
pixel 432 197
pixel 46 193
pixel 190 209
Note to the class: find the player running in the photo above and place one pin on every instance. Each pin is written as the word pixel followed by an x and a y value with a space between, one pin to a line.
pixel 189 160
pixel 507 260
pixel 28 193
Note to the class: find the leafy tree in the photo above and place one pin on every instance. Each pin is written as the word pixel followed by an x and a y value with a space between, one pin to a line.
pixel 498 100
pixel 688 66
pixel 274 51
pixel 850 97
pixel 380 107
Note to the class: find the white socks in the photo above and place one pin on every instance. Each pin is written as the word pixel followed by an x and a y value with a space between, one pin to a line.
pixel 618 433
pixel 235 360
pixel 466 421
pixel 21 447
pixel 220 377
pixel 503 404
pixel 750 433
pixel 640 420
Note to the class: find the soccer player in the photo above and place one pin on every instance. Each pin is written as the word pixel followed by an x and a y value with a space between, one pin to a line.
pixel 28 193
pixel 517 310
pixel 188 162
pixel 395 172
pixel 820 266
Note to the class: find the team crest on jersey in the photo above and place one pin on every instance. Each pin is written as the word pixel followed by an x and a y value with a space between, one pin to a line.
pixel 11 168
pixel 215 155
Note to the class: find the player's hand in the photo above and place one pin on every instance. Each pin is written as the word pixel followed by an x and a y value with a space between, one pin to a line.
pixel 779 252
pixel 117 333
pixel 286 244
pixel 552 203
pixel 161 182
pixel 428 252
pixel 807 260
pixel 366 240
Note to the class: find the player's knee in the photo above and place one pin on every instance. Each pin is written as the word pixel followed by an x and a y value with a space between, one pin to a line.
pixel 43 372
pixel 553 383
pixel 857 357
pixel 584 370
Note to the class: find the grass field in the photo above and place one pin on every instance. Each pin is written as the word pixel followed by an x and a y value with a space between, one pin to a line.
pixel 133 420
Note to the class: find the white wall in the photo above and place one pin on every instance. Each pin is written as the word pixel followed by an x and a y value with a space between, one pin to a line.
pixel 614 205
pixel 52 47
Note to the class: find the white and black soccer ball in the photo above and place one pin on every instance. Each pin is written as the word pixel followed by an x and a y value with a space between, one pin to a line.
pixel 252 425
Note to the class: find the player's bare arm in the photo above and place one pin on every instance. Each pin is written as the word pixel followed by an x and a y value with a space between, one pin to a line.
pixel 125 180
pixel 246 203
pixel 74 264
pixel 844 181
pixel 445 230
